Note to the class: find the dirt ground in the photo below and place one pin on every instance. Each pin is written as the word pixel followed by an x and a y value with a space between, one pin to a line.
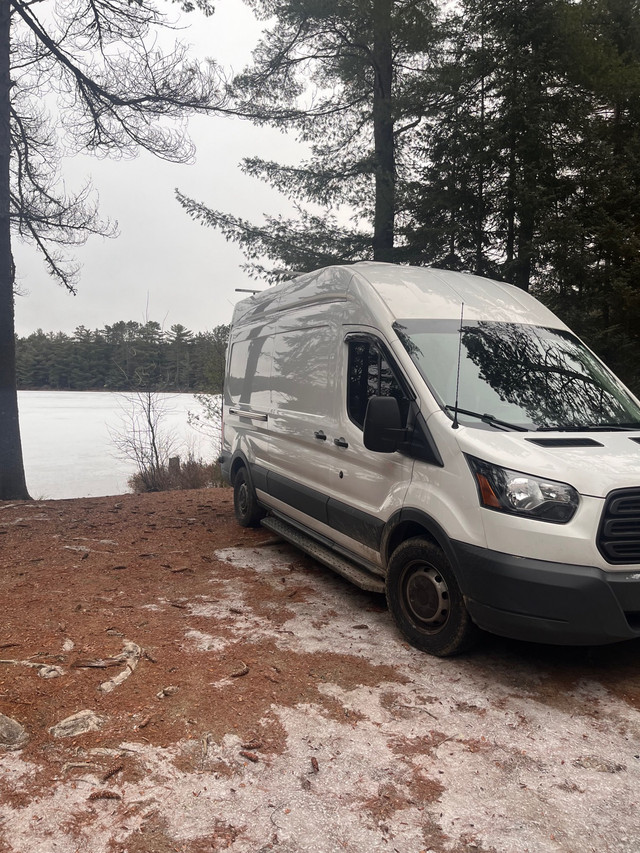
pixel 243 698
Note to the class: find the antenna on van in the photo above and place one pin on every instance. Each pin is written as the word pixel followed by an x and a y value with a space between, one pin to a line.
pixel 455 423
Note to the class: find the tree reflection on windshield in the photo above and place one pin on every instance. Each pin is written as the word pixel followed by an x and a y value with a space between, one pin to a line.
pixel 548 374
pixel 528 375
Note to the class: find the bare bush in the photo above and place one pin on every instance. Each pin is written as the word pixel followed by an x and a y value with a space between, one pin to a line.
pixel 145 439
pixel 191 473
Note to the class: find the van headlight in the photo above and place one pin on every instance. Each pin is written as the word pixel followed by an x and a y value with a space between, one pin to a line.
pixel 510 491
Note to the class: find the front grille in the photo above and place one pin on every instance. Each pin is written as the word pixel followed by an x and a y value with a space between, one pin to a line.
pixel 619 533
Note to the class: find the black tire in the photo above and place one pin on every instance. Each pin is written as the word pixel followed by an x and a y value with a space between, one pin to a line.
pixel 245 503
pixel 425 601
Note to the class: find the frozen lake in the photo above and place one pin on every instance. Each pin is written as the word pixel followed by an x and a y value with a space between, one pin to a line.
pixel 68 445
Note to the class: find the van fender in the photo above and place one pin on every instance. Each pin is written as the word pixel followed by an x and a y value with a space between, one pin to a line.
pixel 407 523
pixel 256 473
pixel 238 460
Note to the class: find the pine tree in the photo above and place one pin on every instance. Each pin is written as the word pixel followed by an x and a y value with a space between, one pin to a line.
pixel 348 78
pixel 179 342
pixel 594 242
pixel 494 146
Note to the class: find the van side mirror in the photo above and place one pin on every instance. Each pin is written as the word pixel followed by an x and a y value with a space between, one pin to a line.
pixel 382 429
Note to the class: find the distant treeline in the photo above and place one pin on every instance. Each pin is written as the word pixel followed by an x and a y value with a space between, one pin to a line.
pixel 125 356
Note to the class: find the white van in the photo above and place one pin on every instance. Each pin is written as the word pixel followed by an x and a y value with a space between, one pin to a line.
pixel 444 439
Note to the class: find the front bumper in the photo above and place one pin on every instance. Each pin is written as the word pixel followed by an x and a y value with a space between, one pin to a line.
pixel 547 602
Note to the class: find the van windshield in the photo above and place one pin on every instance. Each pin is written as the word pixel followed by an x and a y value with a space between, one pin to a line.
pixel 517 376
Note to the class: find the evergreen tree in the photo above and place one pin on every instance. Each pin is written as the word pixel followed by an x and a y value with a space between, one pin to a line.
pixel 453 163
pixel 127 356
pixel 593 244
pixel 349 79
pixel 515 147
pixel 179 357
pixel 214 365
pixel 496 146
pixel 531 161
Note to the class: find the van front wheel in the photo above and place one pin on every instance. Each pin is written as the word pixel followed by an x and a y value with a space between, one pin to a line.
pixel 425 601
pixel 245 503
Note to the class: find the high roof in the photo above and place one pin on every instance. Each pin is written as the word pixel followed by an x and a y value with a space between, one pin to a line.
pixel 402 292
pixel 413 292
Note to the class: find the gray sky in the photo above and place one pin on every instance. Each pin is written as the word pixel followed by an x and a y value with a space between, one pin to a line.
pixel 164 266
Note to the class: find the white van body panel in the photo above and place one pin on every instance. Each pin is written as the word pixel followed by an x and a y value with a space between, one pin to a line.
pixel 370 556
pixel 404 291
pixel 613 465
pixel 286 419
pixel 448 493
pixel 573 542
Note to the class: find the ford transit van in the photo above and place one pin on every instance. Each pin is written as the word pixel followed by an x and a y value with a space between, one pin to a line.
pixel 444 439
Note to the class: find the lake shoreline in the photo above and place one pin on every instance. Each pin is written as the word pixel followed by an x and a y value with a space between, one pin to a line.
pixel 70 439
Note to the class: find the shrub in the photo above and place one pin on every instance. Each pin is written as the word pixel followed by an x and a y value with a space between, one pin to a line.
pixel 191 473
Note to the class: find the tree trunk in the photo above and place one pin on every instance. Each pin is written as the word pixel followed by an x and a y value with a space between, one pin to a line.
pixel 523 265
pixel 384 142
pixel 479 229
pixel 12 481
pixel 510 212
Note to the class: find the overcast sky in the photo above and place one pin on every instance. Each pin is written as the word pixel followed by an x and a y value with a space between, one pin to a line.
pixel 163 266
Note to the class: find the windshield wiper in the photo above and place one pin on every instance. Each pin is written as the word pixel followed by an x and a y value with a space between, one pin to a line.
pixel 623 427
pixel 487 419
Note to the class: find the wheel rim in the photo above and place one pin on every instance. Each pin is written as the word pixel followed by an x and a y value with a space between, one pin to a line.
pixel 425 596
pixel 243 499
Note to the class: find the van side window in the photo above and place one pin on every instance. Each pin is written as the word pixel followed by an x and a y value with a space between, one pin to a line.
pixel 370 376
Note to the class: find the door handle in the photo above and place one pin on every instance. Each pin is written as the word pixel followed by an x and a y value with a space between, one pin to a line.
pixel 340 442
pixel 320 435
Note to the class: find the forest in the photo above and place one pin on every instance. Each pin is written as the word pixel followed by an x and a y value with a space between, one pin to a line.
pixel 493 136
pixel 127 356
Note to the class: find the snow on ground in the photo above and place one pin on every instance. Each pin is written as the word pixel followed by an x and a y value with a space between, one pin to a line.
pixel 508 750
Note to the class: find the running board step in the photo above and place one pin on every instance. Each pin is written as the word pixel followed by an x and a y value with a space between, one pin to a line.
pixel 340 565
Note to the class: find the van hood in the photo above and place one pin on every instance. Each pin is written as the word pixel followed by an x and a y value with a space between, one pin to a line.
pixel 594 463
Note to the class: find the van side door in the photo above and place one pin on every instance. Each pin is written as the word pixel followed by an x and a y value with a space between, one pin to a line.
pixel 303 418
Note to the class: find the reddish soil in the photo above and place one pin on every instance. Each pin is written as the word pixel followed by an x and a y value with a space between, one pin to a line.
pixel 274 707
pixel 88 570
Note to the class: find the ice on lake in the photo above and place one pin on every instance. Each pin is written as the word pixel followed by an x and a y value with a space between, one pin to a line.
pixel 68 444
